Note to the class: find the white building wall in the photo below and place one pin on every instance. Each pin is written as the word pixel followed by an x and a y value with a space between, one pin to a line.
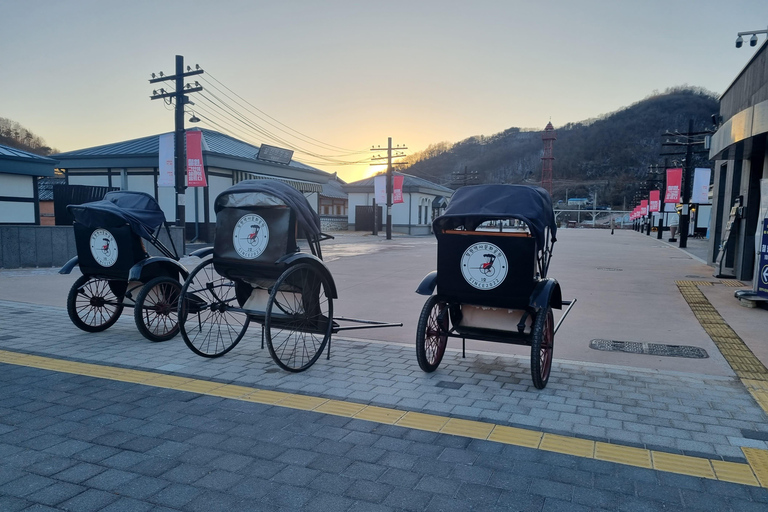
pixel 90 179
pixel 12 212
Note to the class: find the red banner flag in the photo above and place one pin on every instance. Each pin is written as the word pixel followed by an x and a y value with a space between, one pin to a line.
pixel 397 189
pixel 674 180
pixel 195 172
pixel 655 203
pixel 643 207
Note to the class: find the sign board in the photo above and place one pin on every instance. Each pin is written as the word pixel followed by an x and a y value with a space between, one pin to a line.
pixel 761 279
pixel 165 168
pixel 674 182
pixel 654 203
pixel 700 192
pixel 274 154
pixel 195 169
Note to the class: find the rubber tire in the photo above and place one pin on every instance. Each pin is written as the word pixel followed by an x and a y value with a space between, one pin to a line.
pixel 428 321
pixel 542 348
pixel 292 354
pixel 171 287
pixel 195 290
pixel 72 304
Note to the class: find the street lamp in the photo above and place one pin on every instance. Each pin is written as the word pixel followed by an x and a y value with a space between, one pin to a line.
pixel 752 40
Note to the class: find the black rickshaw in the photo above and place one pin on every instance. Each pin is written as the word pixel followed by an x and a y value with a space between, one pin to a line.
pixel 117 271
pixel 494 244
pixel 257 273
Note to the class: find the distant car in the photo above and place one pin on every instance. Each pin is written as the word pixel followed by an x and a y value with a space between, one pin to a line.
pixel 603 208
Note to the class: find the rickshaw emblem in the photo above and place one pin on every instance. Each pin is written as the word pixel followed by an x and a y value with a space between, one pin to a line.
pixel 250 236
pixel 103 247
pixel 484 266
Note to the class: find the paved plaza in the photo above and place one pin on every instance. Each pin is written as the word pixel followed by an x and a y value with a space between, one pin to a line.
pixel 111 421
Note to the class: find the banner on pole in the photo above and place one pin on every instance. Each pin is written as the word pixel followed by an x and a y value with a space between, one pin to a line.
pixel 654 203
pixel 674 181
pixel 643 207
pixel 397 189
pixel 195 172
pixel 165 167
pixel 700 192
pixel 380 189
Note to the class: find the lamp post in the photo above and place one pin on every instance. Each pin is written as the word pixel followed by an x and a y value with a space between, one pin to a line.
pixel 752 40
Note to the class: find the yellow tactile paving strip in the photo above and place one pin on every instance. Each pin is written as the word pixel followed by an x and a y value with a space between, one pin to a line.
pixel 754 473
pixel 742 360
pixel 733 284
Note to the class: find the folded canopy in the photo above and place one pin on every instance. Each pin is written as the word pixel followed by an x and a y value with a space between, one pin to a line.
pixel 272 193
pixel 471 206
pixel 138 209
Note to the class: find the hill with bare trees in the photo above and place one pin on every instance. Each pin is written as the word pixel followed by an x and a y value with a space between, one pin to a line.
pixel 608 155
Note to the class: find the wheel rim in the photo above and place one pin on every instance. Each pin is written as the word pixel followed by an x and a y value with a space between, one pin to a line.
pixel 160 308
pixel 299 317
pixel 547 346
pixel 209 317
pixel 95 302
pixel 435 339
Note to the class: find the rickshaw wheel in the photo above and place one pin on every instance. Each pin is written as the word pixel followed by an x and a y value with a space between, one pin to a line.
pixel 542 348
pixel 156 309
pixel 299 317
pixel 92 305
pixel 210 320
pixel 432 334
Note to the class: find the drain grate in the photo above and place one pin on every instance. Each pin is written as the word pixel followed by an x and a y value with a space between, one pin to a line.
pixel 20 312
pixel 651 349
pixel 449 385
pixel 610 269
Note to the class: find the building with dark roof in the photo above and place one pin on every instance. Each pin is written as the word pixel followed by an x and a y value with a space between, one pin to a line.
pixel 133 165
pixel 333 205
pixel 19 171
pixel 422 202
pixel 740 156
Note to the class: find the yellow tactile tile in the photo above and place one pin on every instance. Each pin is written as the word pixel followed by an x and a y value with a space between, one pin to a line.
pixel 733 284
pixel 198 386
pixel 421 421
pixel 264 397
pixel 682 464
pixel 303 402
pixel 231 391
pixel 758 461
pixel 467 428
pixel 339 408
pixel 568 445
pixel 516 436
pixel 734 472
pixel 380 415
pixel 623 455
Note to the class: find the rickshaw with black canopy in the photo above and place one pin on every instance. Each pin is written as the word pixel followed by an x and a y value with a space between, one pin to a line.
pixel 257 273
pixel 118 271
pixel 494 244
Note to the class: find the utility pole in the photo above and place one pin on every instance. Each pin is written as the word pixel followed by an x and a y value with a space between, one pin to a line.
pixel 690 139
pixel 181 99
pixel 462 179
pixel 389 180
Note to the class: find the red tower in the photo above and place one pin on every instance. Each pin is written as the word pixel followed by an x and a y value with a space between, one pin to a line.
pixel 549 136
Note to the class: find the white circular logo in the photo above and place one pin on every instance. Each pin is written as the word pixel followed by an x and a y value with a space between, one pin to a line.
pixel 484 266
pixel 250 236
pixel 103 247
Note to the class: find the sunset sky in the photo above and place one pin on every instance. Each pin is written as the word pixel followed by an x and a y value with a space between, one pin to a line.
pixel 346 75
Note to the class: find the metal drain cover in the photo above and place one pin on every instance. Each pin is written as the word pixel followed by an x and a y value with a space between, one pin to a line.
pixel 610 269
pixel 651 349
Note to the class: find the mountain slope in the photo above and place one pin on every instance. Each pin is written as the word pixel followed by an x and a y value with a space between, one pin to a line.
pixel 608 156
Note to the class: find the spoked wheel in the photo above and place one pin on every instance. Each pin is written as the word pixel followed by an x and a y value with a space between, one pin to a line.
pixel 542 347
pixel 210 319
pixel 432 334
pixel 95 304
pixel 156 309
pixel 299 317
